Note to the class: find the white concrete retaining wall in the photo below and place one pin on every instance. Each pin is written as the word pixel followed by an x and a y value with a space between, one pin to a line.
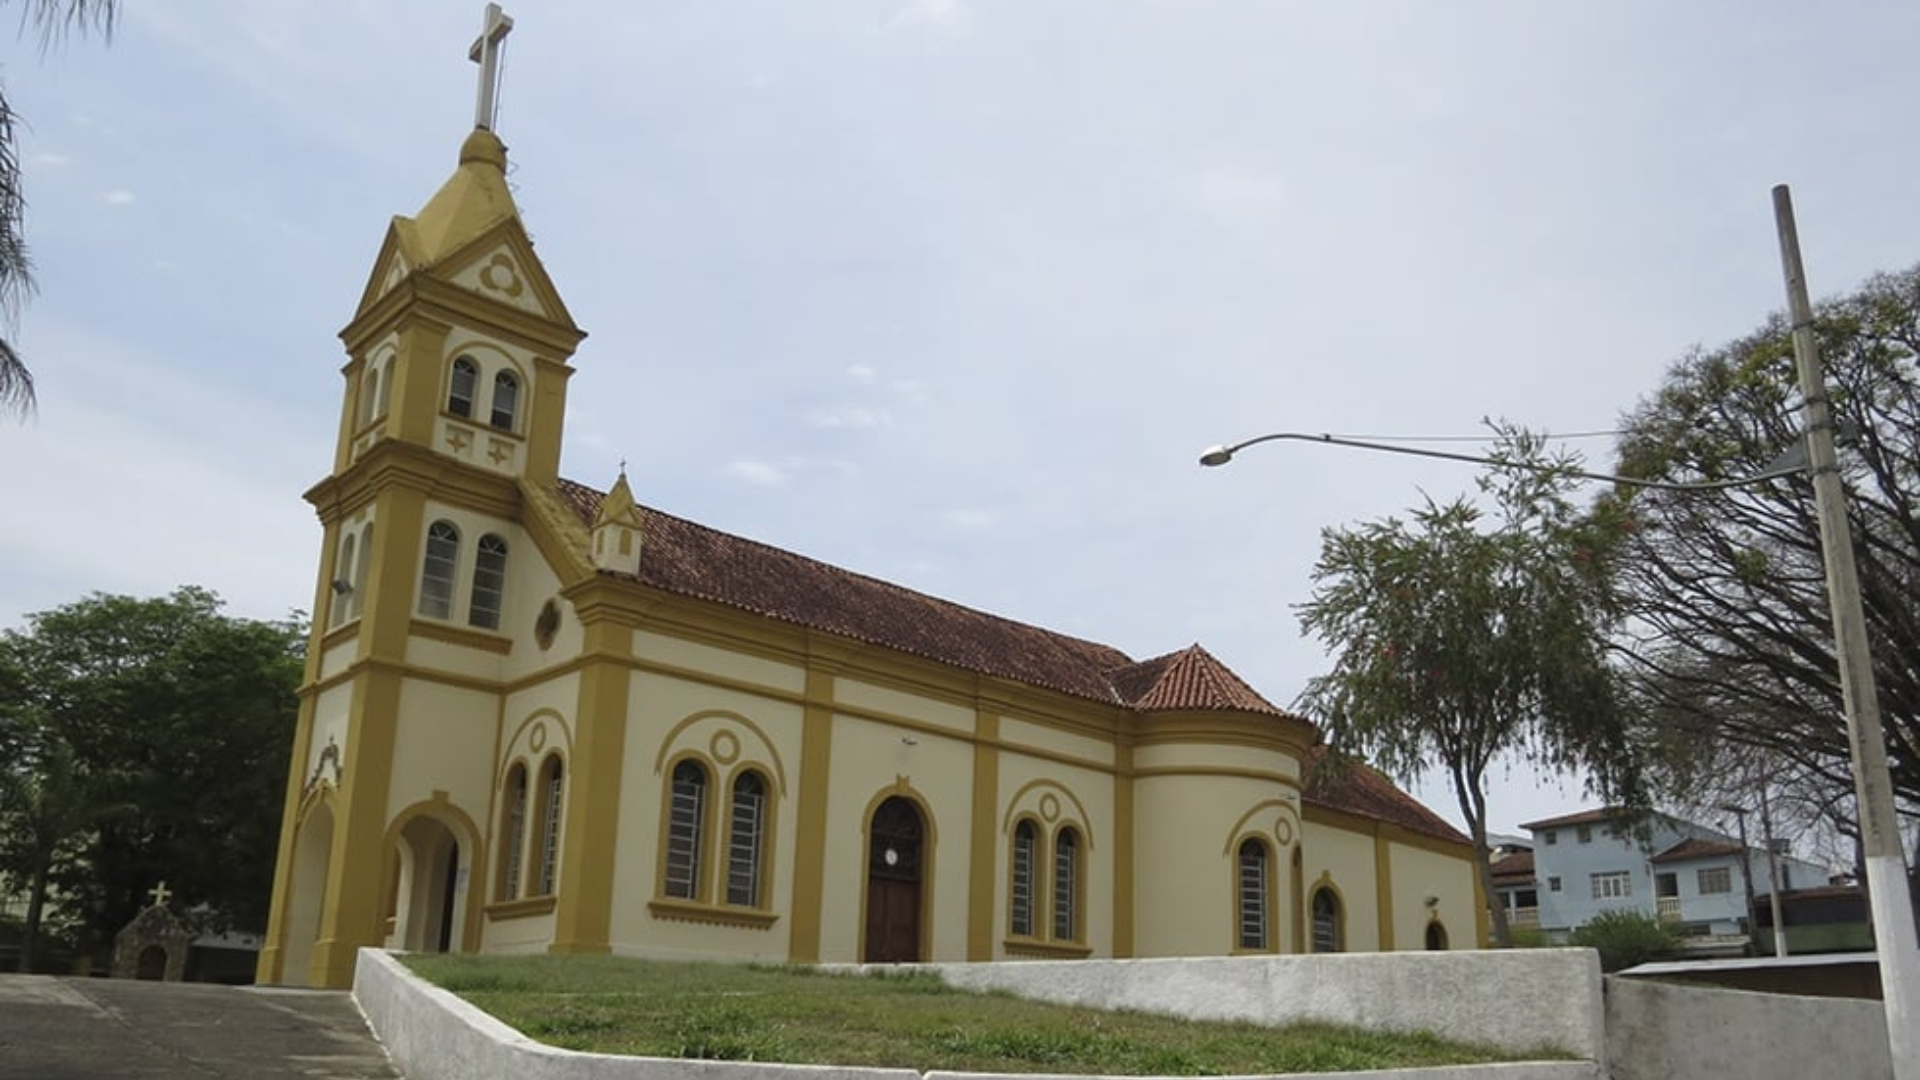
pixel 433 1035
pixel 1516 999
pixel 1659 1030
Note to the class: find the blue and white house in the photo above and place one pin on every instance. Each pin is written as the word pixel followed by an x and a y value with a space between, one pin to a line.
pixel 1684 873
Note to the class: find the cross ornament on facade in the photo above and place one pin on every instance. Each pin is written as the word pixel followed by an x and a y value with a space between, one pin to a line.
pixel 486 53
pixel 160 894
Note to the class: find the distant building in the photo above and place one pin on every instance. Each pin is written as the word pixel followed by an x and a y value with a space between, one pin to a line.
pixel 1689 876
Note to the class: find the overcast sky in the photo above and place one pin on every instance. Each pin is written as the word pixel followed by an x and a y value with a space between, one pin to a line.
pixel 952 293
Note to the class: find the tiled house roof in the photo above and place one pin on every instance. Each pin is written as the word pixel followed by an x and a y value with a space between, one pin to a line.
pixel 1514 869
pixel 1694 848
pixel 1359 788
pixel 1584 817
pixel 681 557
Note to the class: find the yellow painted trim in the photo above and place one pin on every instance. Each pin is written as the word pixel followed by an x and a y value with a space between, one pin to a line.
pixel 525 908
pixel 267 970
pixel 456 821
pixel 1325 882
pixel 1079 913
pixel 1270 898
pixel 588 849
pixel 703 841
pixel 1265 776
pixel 810 825
pixel 451 634
pixel 562 729
pixel 1036 892
pixel 1045 950
pixel 1123 851
pixel 981 888
pixel 1079 815
pixel 712 914
pixel 1315 814
pixel 1383 889
pixel 505 862
pixel 1239 827
pixel 929 842
pixel 1297 891
pixel 766 744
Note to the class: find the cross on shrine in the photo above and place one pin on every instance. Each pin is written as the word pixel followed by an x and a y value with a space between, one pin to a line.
pixel 160 894
pixel 486 53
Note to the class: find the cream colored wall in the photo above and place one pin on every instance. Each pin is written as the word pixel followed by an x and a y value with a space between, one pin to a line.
pixel 525 934
pixel 692 656
pixel 1080 796
pixel 1022 734
pixel 1348 858
pixel 444 742
pixel 730 730
pixel 1185 827
pixel 1419 874
pixel 871 760
pixel 864 697
pixel 330 708
pixel 530 584
pixel 1218 758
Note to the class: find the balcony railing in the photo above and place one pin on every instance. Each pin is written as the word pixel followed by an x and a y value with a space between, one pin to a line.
pixel 1528 917
pixel 1669 909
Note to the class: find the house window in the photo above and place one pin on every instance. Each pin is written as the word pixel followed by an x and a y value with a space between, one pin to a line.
pixel 489 582
pixel 466 375
pixel 1326 921
pixel 436 574
pixel 1715 880
pixel 1253 895
pixel 550 781
pixel 1585 833
pixel 1020 902
pixel 1066 885
pixel 1613 885
pixel 1553 884
pixel 515 831
pixel 1551 836
pixel 686 811
pixel 506 400
pixel 744 841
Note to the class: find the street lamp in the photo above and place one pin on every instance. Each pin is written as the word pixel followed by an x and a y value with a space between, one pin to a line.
pixel 1888 896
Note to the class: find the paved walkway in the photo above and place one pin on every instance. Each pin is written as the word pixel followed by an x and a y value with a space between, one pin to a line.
pixel 110 1029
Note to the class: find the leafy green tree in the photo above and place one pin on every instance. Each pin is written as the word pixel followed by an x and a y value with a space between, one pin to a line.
pixel 51 19
pixel 1733 656
pixel 1461 636
pixel 152 740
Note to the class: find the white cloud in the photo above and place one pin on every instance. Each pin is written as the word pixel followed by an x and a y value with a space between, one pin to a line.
pixel 951 17
pixel 49 159
pixel 862 374
pixel 118 197
pixel 837 417
pixel 756 472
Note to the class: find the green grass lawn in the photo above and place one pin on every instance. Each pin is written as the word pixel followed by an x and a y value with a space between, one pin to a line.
pixel 911 1020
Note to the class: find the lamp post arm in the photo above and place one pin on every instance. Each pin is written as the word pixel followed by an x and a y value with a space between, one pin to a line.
pixel 1220 455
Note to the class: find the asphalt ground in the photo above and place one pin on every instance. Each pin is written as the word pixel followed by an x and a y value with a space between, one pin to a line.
pixel 116 1029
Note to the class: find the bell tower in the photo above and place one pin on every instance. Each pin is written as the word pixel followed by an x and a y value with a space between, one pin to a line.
pixel 455 392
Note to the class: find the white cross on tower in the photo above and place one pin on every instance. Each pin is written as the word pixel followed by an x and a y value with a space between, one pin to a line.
pixel 160 894
pixel 486 53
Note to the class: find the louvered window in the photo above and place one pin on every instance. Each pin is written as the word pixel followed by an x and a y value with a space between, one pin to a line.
pixel 1253 895
pixel 744 840
pixel 684 819
pixel 1021 902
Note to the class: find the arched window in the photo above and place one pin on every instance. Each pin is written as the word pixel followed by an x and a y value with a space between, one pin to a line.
pixel 356 600
pixel 746 839
pixel 514 831
pixel 686 813
pixel 1436 937
pixel 1326 921
pixel 489 582
pixel 460 388
pixel 550 781
pixel 436 574
pixel 506 400
pixel 372 386
pixel 1026 843
pixel 341 586
pixel 1254 891
pixel 1066 885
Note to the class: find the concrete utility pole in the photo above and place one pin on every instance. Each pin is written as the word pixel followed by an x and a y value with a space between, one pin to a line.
pixel 1887 891
pixel 1773 876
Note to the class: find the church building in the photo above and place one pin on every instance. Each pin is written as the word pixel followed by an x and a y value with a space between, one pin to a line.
pixel 539 716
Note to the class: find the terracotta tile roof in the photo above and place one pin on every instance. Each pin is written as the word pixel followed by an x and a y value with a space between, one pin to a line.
pixel 1188 679
pixel 1693 848
pixel 1513 869
pixel 681 557
pixel 1359 788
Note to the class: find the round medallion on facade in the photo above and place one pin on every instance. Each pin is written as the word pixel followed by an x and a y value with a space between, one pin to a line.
pixel 537 738
pixel 1049 809
pixel 725 747
pixel 1283 831
pixel 546 625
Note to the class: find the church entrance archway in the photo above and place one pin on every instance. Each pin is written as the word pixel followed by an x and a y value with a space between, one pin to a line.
pixel 896 849
pixel 152 964
pixel 312 848
pixel 429 896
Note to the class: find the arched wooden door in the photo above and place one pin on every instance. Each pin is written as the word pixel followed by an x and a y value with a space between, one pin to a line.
pixel 895 857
